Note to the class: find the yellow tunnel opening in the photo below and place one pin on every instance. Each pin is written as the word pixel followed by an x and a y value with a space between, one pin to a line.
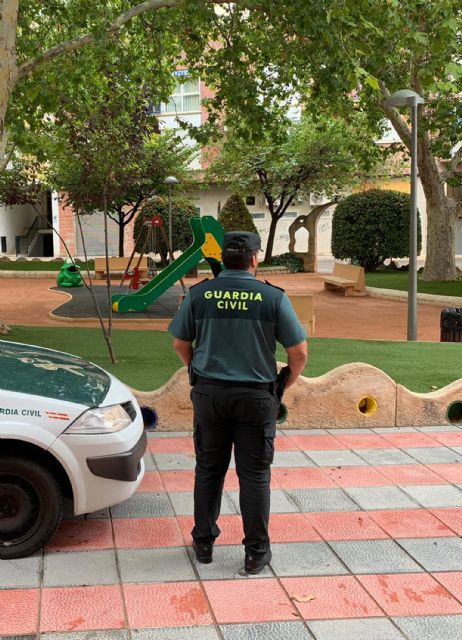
pixel 367 406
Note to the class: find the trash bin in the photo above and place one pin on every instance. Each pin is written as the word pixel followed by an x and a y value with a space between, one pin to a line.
pixel 451 325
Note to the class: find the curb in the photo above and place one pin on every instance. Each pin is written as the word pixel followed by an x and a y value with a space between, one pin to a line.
pixel 422 298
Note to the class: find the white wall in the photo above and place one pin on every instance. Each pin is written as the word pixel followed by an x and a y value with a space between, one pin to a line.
pixel 14 221
pixel 208 201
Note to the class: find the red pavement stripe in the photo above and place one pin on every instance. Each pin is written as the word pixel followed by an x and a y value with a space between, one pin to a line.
pixel 246 601
pixel 177 604
pixel 410 523
pixel 81 608
pixel 448 438
pixel 355 525
pixel 451 517
pixel 170 604
pixel 82 535
pixel 410 439
pixel 315 477
pixel 411 474
pixel 452 472
pixel 182 444
pixel 301 478
pixel 410 594
pixel 185 444
pixel 139 533
pixel 316 442
pixel 333 597
pixel 19 611
pixel 363 441
pixel 283 527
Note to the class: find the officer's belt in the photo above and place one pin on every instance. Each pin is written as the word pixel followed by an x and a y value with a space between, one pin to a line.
pixel 235 383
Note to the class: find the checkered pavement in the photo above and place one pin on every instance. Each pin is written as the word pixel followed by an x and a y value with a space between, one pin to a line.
pixel 365 531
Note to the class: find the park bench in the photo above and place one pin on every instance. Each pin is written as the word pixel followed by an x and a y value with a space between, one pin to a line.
pixel 348 277
pixel 119 266
pixel 303 304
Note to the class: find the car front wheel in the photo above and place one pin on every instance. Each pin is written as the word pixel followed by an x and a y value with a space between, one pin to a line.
pixel 31 506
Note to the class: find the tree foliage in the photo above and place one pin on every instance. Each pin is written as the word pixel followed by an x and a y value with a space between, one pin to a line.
pixel 372 226
pixel 235 216
pixel 111 146
pixel 312 156
pixel 345 55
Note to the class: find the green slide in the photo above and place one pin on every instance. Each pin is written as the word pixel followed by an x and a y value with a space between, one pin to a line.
pixel 206 231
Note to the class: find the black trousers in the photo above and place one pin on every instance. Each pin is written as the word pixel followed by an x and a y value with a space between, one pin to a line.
pixel 246 418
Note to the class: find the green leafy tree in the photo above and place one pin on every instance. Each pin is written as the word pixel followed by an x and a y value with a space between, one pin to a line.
pixel 182 210
pixel 372 226
pixel 139 163
pixel 235 216
pixel 51 48
pixel 312 156
pixel 345 55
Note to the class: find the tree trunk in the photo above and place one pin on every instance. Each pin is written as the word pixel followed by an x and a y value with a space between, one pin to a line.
pixel 8 67
pixel 271 236
pixel 440 263
pixel 108 333
pixel 121 235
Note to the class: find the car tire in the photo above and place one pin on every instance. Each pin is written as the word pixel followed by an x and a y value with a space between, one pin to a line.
pixel 31 506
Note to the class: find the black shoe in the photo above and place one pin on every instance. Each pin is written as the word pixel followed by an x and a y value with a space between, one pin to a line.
pixel 256 562
pixel 204 552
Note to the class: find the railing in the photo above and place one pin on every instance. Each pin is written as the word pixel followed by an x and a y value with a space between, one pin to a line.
pixel 31 234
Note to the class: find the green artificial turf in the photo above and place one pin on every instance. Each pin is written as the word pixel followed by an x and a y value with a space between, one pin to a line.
pixel 147 360
pixel 399 280
pixel 39 265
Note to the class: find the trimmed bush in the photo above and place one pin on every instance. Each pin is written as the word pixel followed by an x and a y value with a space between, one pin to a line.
pixel 293 263
pixel 235 216
pixel 182 210
pixel 371 226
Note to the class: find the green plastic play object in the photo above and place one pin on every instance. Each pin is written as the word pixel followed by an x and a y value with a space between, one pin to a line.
pixel 69 275
pixel 145 297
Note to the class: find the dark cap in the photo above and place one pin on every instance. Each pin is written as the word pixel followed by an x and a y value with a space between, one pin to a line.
pixel 241 242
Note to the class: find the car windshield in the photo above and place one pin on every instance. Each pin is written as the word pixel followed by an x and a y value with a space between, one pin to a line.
pixel 42 372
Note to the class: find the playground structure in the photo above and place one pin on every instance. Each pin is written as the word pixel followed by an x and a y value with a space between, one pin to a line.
pixel 207 242
pixel 69 275
pixel 355 395
pixel 310 223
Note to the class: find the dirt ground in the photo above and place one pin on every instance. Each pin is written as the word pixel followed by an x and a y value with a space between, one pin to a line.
pixel 29 302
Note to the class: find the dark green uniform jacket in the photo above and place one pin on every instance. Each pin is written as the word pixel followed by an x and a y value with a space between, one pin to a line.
pixel 235 321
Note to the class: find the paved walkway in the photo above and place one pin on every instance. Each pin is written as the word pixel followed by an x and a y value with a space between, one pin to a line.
pixel 365 528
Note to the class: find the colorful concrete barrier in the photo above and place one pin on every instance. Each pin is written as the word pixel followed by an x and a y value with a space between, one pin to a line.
pixel 355 395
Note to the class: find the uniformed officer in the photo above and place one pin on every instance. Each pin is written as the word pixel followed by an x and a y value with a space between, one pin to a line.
pixel 234 322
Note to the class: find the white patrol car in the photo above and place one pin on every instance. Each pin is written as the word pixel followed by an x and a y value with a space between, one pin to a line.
pixel 67 428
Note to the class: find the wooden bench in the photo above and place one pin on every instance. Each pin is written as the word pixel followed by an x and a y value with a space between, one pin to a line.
pixel 118 266
pixel 348 277
pixel 303 304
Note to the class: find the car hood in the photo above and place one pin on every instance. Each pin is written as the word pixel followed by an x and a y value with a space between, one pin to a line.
pixel 52 374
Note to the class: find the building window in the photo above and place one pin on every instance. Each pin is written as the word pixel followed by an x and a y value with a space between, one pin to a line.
pixel 250 201
pixel 185 98
pixel 3 244
pixel 290 214
pixel 257 216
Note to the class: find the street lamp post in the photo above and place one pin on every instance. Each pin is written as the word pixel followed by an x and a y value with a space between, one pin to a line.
pixel 170 180
pixel 407 97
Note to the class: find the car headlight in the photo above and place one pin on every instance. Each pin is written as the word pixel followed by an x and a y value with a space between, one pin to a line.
pixel 101 420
